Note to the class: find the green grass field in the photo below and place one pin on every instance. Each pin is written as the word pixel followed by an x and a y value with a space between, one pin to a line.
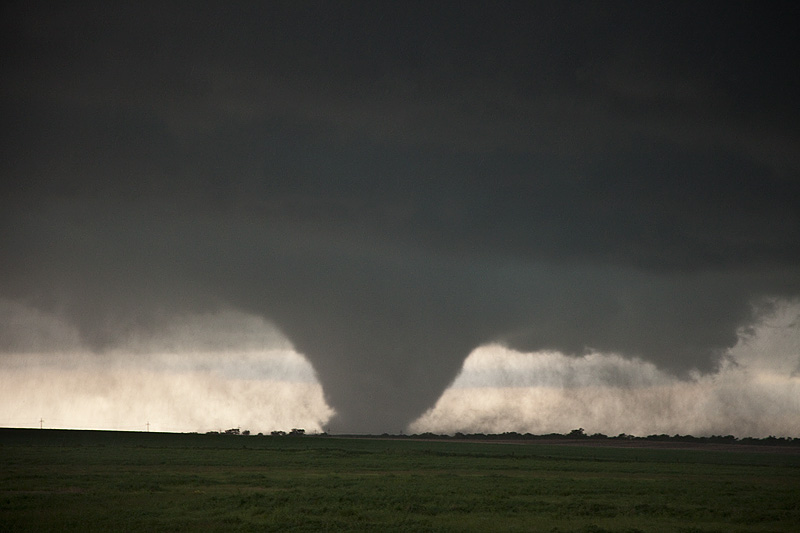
pixel 108 481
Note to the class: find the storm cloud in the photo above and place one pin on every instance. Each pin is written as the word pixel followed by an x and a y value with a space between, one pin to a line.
pixel 394 185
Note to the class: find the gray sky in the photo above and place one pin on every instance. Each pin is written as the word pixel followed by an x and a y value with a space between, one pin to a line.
pixel 394 185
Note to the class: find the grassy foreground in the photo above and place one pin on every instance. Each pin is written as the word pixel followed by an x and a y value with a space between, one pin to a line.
pixel 107 481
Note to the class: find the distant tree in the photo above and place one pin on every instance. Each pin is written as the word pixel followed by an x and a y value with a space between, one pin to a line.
pixel 296 432
pixel 278 433
pixel 577 434
pixel 246 432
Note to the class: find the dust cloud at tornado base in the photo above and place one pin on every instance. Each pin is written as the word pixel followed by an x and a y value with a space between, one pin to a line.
pixel 206 372
pixel 185 382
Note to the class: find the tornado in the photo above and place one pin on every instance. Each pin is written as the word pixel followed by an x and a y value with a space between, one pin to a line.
pixel 393 186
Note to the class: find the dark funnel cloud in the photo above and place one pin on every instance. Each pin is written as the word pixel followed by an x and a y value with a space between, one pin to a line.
pixel 395 184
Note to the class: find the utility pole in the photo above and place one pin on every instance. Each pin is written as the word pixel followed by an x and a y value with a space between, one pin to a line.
pixel 41 423
pixel 148 427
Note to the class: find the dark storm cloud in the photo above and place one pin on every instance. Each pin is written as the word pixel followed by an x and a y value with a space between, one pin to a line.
pixel 395 184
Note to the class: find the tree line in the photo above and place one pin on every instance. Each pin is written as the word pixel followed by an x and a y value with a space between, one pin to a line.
pixel 575 434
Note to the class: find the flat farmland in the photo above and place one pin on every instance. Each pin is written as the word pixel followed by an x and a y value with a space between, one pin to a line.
pixel 54 480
